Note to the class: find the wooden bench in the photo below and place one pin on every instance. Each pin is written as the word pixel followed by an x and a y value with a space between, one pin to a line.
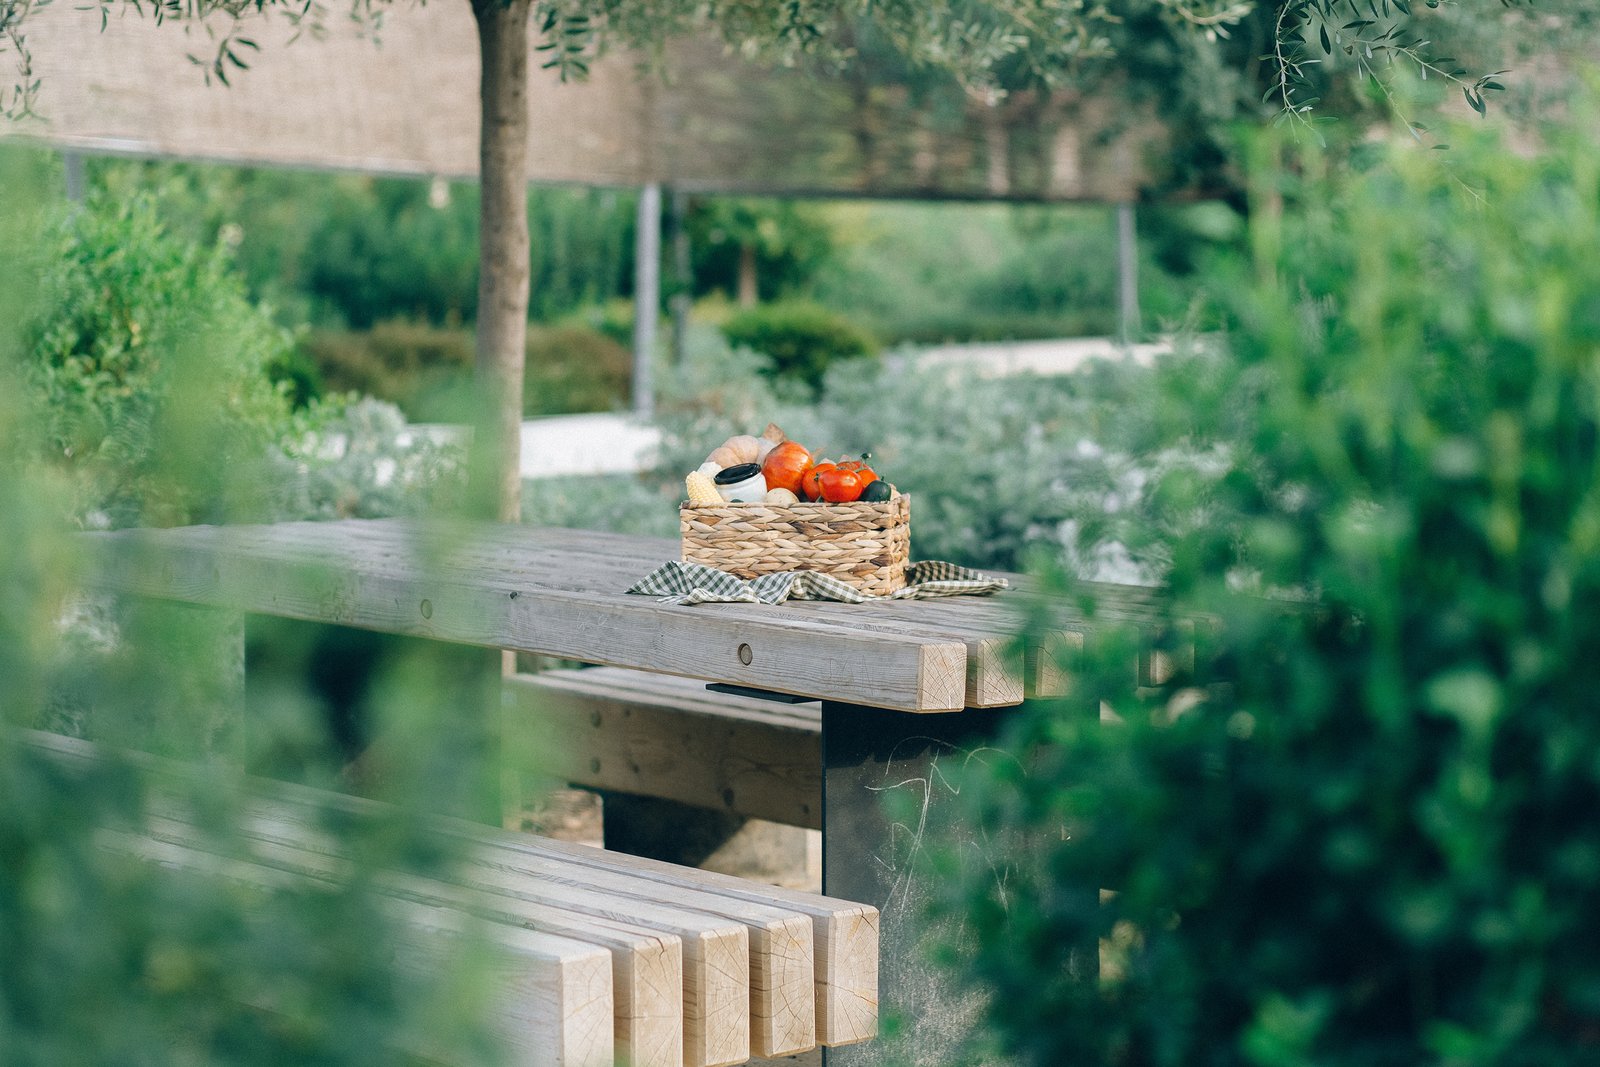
pixel 607 958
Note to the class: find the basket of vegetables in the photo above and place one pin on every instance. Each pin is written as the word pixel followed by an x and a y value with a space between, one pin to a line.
pixel 763 505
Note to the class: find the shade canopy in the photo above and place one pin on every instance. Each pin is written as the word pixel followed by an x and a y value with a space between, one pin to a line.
pixel 703 119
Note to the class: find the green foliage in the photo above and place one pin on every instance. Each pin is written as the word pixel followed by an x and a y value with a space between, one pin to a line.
pixel 352 251
pixel 801 340
pixel 136 335
pixel 573 368
pixel 1353 830
pixel 422 369
pixel 383 249
pixel 299 377
pixel 357 458
pixel 106 958
pixel 781 242
pixel 938 273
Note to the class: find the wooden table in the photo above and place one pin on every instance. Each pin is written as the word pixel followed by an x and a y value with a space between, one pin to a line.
pixel 905 686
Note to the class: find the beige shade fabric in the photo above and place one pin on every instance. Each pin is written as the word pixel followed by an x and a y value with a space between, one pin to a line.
pixel 406 103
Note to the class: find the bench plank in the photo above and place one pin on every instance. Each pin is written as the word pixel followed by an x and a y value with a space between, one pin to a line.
pixel 749 966
pixel 716 957
pixel 647 966
pixel 845 934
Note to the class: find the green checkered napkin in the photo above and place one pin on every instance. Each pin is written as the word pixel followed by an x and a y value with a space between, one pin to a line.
pixel 695 583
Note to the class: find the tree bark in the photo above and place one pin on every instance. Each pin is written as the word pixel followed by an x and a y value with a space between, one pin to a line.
pixel 502 335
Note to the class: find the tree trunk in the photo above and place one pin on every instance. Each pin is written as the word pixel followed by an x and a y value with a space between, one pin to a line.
pixel 502 336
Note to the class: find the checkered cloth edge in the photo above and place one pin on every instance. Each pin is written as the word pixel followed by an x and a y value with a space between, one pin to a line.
pixel 694 583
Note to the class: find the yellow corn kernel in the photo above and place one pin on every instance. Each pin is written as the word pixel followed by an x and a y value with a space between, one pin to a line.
pixel 702 490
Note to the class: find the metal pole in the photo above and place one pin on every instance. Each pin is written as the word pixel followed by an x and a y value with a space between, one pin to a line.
pixel 77 183
pixel 646 295
pixel 1128 274
pixel 682 279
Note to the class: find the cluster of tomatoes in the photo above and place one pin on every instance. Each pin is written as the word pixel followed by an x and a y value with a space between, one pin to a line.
pixel 790 466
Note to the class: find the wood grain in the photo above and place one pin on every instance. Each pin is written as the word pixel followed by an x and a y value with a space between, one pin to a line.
pixel 646 965
pixel 297 571
pixel 845 933
pixel 716 962
pixel 740 998
pixel 660 736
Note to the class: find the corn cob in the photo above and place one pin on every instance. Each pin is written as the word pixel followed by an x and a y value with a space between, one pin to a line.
pixel 702 490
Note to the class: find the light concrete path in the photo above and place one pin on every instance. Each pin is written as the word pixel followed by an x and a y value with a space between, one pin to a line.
pixel 603 443
pixel 1064 356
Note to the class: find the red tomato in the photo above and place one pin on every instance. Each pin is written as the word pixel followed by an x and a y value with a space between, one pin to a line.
pixel 784 466
pixel 810 484
pixel 840 486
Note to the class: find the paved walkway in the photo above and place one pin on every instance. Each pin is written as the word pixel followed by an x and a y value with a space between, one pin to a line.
pixel 604 443
pixel 1000 358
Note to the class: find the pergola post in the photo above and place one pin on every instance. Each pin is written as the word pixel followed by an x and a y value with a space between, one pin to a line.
pixel 77 181
pixel 1128 326
pixel 646 296
pixel 682 277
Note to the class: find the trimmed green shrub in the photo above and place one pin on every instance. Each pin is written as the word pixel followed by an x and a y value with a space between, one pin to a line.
pixel 139 337
pixel 417 367
pixel 574 368
pixel 1354 828
pixel 802 340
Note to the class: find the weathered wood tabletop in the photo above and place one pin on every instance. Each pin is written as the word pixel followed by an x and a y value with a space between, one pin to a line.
pixel 561 593
pixel 907 687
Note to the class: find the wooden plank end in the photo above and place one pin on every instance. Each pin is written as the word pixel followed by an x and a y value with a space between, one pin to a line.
pixel 941 678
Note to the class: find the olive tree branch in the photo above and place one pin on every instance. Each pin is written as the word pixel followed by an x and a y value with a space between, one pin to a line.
pixel 18 102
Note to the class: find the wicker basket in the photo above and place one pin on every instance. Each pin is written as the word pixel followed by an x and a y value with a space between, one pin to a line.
pixel 864 544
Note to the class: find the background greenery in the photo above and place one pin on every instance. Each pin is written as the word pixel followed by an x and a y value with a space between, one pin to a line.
pixel 1351 829
pixel 132 386
pixel 377 276
pixel 123 314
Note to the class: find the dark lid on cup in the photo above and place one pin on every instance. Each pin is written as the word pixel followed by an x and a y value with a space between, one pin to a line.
pixel 737 473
